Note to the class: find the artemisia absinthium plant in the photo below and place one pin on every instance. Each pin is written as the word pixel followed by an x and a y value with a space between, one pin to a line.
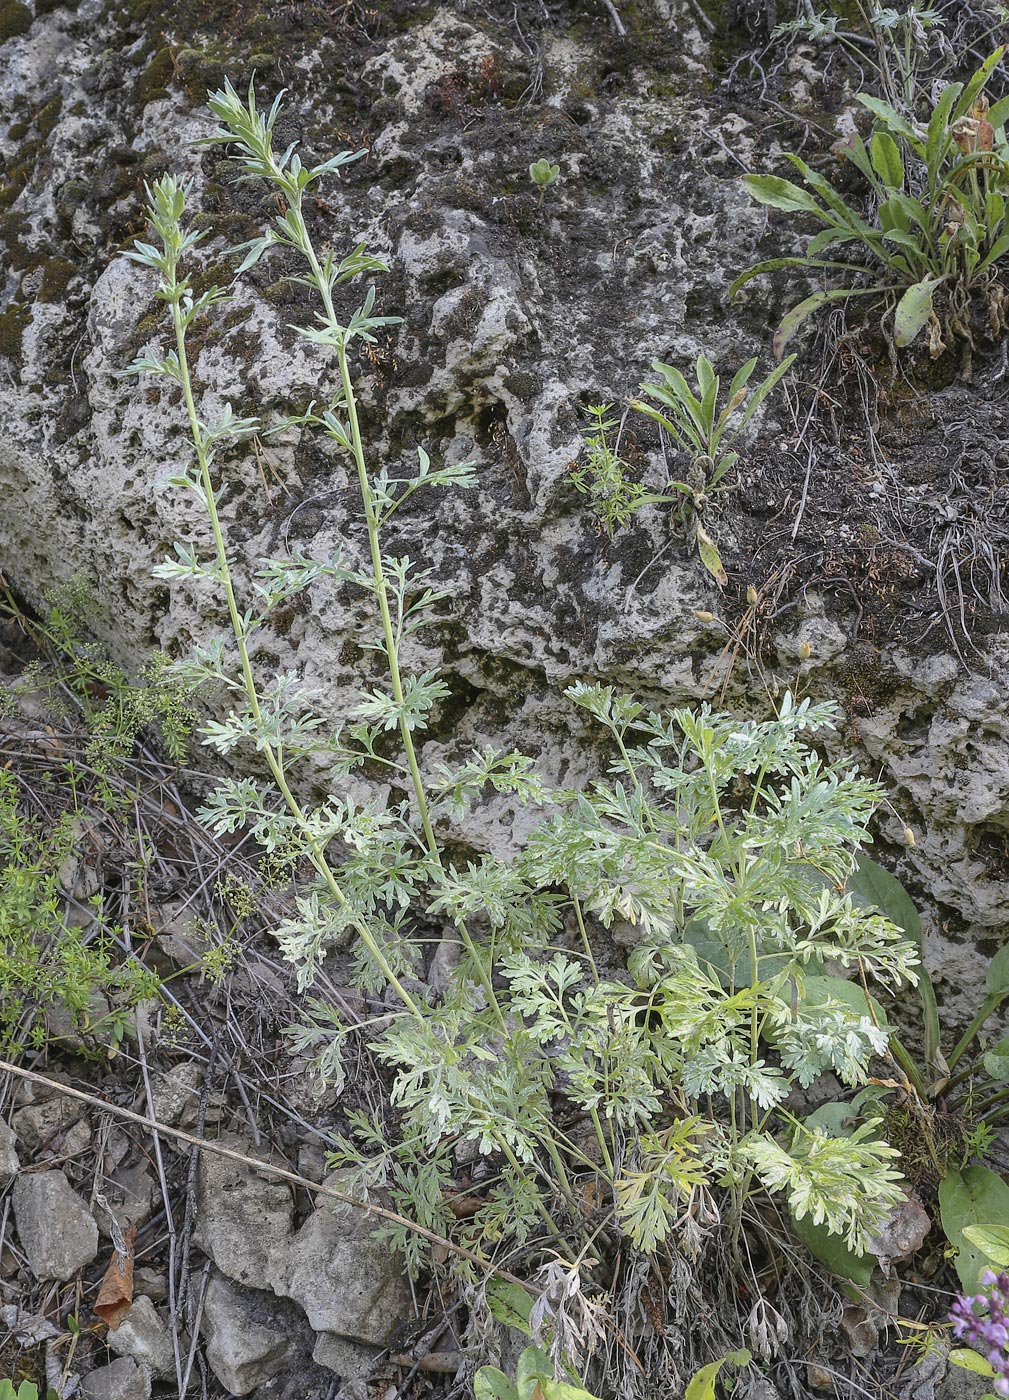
pixel 656 1092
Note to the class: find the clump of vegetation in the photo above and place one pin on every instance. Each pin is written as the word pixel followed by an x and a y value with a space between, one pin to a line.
pixel 608 1107
pixel 75 678
pixel 49 958
pixel 614 495
pixel 940 225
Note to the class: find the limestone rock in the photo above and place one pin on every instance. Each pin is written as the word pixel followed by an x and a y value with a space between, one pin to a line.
pixel 144 1336
pixel 122 1379
pixel 175 1094
pixel 352 1361
pixel 57 1123
pixel 244 1220
pixel 9 1163
pixel 56 1230
pixel 347 1282
pixel 248 1341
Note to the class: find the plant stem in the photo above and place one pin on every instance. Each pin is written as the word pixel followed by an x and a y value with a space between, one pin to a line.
pixel 248 678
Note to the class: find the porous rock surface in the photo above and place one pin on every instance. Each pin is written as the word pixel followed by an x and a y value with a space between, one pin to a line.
pixel 517 312
pixel 349 1287
pixel 55 1228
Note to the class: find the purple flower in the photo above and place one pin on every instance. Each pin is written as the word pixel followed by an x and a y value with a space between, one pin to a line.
pixel 984 1320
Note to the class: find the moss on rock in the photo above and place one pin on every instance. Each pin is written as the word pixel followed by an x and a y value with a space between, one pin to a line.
pixel 47 118
pixel 15 19
pixel 13 322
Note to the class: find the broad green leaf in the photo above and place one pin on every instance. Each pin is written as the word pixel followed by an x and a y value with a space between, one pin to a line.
pixel 885 156
pixel 891 119
pixel 741 378
pixel 938 130
pixel 853 149
pixel 913 310
pixel 702 1385
pixel 969 1360
pixel 534 1367
pixel 775 264
pixel 997 977
pixel 791 322
pixel 974 1196
pixel 762 391
pixel 710 557
pixel 832 1251
pixel 977 82
pixel 832 1116
pixel 705 372
pixel 903 240
pixel 998 113
pixel 998 250
pixel 488 1384
pixel 782 194
pixel 875 888
pixel 819 990
pixel 833 238
pixel 509 1303
pixel 828 194
pixel 561 1390
pixel 996 1062
pixel 992 1241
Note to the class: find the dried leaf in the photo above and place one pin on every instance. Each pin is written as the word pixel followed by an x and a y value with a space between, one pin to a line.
pixel 116 1293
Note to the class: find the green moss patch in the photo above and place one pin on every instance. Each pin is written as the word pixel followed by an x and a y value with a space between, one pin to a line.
pixel 56 277
pixel 47 118
pixel 15 19
pixel 13 323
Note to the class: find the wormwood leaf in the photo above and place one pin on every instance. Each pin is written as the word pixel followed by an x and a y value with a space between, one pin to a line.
pixel 913 310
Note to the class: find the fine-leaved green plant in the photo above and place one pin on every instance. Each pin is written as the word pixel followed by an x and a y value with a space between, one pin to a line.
pixel 615 497
pixel 47 959
pixel 723 846
pixel 896 42
pixel 939 226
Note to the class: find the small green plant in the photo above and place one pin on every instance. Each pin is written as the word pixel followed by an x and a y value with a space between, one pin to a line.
pixel 543 175
pixel 46 960
pixel 77 678
pixel 27 1390
pixel 705 432
pixel 899 39
pixel 725 845
pixel 614 496
pixel 534 1380
pixel 940 224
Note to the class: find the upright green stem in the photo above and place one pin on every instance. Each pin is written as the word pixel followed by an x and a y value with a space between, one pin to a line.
pixel 248 678
pixel 373 524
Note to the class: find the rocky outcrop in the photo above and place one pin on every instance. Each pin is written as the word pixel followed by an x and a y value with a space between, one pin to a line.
pixel 863 537
pixel 56 1230
pixel 348 1286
